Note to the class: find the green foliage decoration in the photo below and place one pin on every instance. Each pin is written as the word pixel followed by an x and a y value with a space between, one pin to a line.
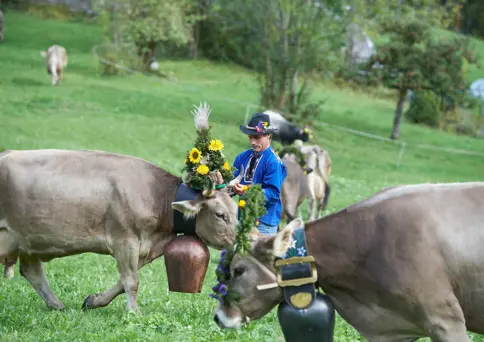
pixel 252 206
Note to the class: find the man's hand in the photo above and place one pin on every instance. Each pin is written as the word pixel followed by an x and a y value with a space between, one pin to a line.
pixel 240 189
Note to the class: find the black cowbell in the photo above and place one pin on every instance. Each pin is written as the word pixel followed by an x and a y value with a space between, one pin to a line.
pixel 313 324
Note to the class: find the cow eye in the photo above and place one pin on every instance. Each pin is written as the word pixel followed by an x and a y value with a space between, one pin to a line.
pixel 239 271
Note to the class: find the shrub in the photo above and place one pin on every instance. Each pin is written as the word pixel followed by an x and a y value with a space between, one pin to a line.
pixel 119 60
pixel 424 109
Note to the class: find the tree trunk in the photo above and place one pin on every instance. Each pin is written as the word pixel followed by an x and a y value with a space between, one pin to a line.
pixel 283 62
pixel 398 114
pixel 195 40
pixel 292 95
pixel 149 54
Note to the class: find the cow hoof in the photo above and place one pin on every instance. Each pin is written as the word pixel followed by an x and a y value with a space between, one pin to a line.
pixel 56 306
pixel 88 303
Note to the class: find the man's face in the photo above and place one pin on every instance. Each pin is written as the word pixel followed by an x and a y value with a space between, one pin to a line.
pixel 260 142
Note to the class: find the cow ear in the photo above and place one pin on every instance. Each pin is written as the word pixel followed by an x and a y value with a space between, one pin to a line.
pixel 283 239
pixel 43 53
pixel 188 208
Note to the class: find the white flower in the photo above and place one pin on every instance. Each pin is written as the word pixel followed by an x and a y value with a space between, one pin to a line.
pixel 205 160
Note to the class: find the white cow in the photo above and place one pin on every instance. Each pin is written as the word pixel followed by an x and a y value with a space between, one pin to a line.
pixel 56 61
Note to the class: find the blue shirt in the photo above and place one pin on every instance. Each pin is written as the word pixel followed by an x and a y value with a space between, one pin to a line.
pixel 270 172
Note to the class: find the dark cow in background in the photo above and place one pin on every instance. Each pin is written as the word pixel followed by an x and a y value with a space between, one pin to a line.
pixel 286 132
pixel 405 263
pixel 56 203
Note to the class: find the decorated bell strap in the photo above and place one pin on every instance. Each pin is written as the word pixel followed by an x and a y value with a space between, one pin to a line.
pixel 296 273
pixel 181 225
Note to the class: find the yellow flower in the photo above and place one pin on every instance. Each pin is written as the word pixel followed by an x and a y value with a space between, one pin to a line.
pixel 195 155
pixel 226 166
pixel 215 145
pixel 241 203
pixel 245 187
pixel 203 169
pixel 266 124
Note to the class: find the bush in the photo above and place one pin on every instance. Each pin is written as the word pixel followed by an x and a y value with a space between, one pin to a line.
pixel 424 109
pixel 120 60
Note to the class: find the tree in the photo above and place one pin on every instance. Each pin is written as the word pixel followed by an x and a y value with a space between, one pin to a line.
pixel 148 23
pixel 283 41
pixel 412 60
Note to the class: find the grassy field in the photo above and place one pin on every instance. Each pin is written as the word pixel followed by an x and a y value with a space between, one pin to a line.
pixel 150 118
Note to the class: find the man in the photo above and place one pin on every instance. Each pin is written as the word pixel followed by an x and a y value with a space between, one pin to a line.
pixel 262 166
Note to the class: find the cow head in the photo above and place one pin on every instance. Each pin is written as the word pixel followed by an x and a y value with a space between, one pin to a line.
pixel 216 215
pixel 304 134
pixel 249 274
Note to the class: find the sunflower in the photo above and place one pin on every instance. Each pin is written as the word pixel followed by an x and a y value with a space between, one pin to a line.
pixel 203 169
pixel 195 155
pixel 226 166
pixel 215 145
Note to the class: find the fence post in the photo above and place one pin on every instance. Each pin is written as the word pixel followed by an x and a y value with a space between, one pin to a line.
pixel 400 154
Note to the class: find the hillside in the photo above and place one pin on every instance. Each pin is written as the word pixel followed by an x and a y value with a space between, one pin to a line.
pixel 150 118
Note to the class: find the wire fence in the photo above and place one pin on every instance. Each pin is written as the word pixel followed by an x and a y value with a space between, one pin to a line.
pixel 402 144
pixel 250 107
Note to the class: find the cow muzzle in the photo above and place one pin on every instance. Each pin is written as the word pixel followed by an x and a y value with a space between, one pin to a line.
pixel 224 321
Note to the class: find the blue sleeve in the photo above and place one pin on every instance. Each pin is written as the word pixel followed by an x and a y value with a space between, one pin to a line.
pixel 237 166
pixel 272 181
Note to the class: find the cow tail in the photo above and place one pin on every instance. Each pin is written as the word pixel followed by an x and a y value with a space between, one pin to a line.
pixel 327 191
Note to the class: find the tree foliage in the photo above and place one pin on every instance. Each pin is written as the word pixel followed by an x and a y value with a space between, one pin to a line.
pixel 282 40
pixel 412 59
pixel 148 23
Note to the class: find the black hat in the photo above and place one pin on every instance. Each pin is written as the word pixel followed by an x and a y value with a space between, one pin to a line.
pixel 260 123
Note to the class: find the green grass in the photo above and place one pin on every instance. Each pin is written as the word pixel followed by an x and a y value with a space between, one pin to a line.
pixel 150 118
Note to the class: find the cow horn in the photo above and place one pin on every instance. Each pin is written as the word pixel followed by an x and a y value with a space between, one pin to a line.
pixel 239 177
pixel 210 192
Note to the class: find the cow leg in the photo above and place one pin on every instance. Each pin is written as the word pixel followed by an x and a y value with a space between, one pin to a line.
pixel 31 269
pixel 9 262
pixel 8 251
pixel 127 258
pixel 299 212
pixel 102 299
pixel 311 204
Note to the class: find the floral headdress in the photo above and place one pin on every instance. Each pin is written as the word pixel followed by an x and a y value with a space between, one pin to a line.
pixel 251 207
pixel 205 164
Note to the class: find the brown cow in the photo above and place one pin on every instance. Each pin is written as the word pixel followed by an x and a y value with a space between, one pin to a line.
pixel 294 188
pixel 56 203
pixel 406 263
pixel 319 161
pixel 55 61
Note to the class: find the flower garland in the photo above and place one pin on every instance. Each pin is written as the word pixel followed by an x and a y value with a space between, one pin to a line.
pixel 205 161
pixel 300 158
pixel 251 207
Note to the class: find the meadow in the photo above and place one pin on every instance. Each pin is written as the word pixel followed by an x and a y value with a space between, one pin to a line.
pixel 149 117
